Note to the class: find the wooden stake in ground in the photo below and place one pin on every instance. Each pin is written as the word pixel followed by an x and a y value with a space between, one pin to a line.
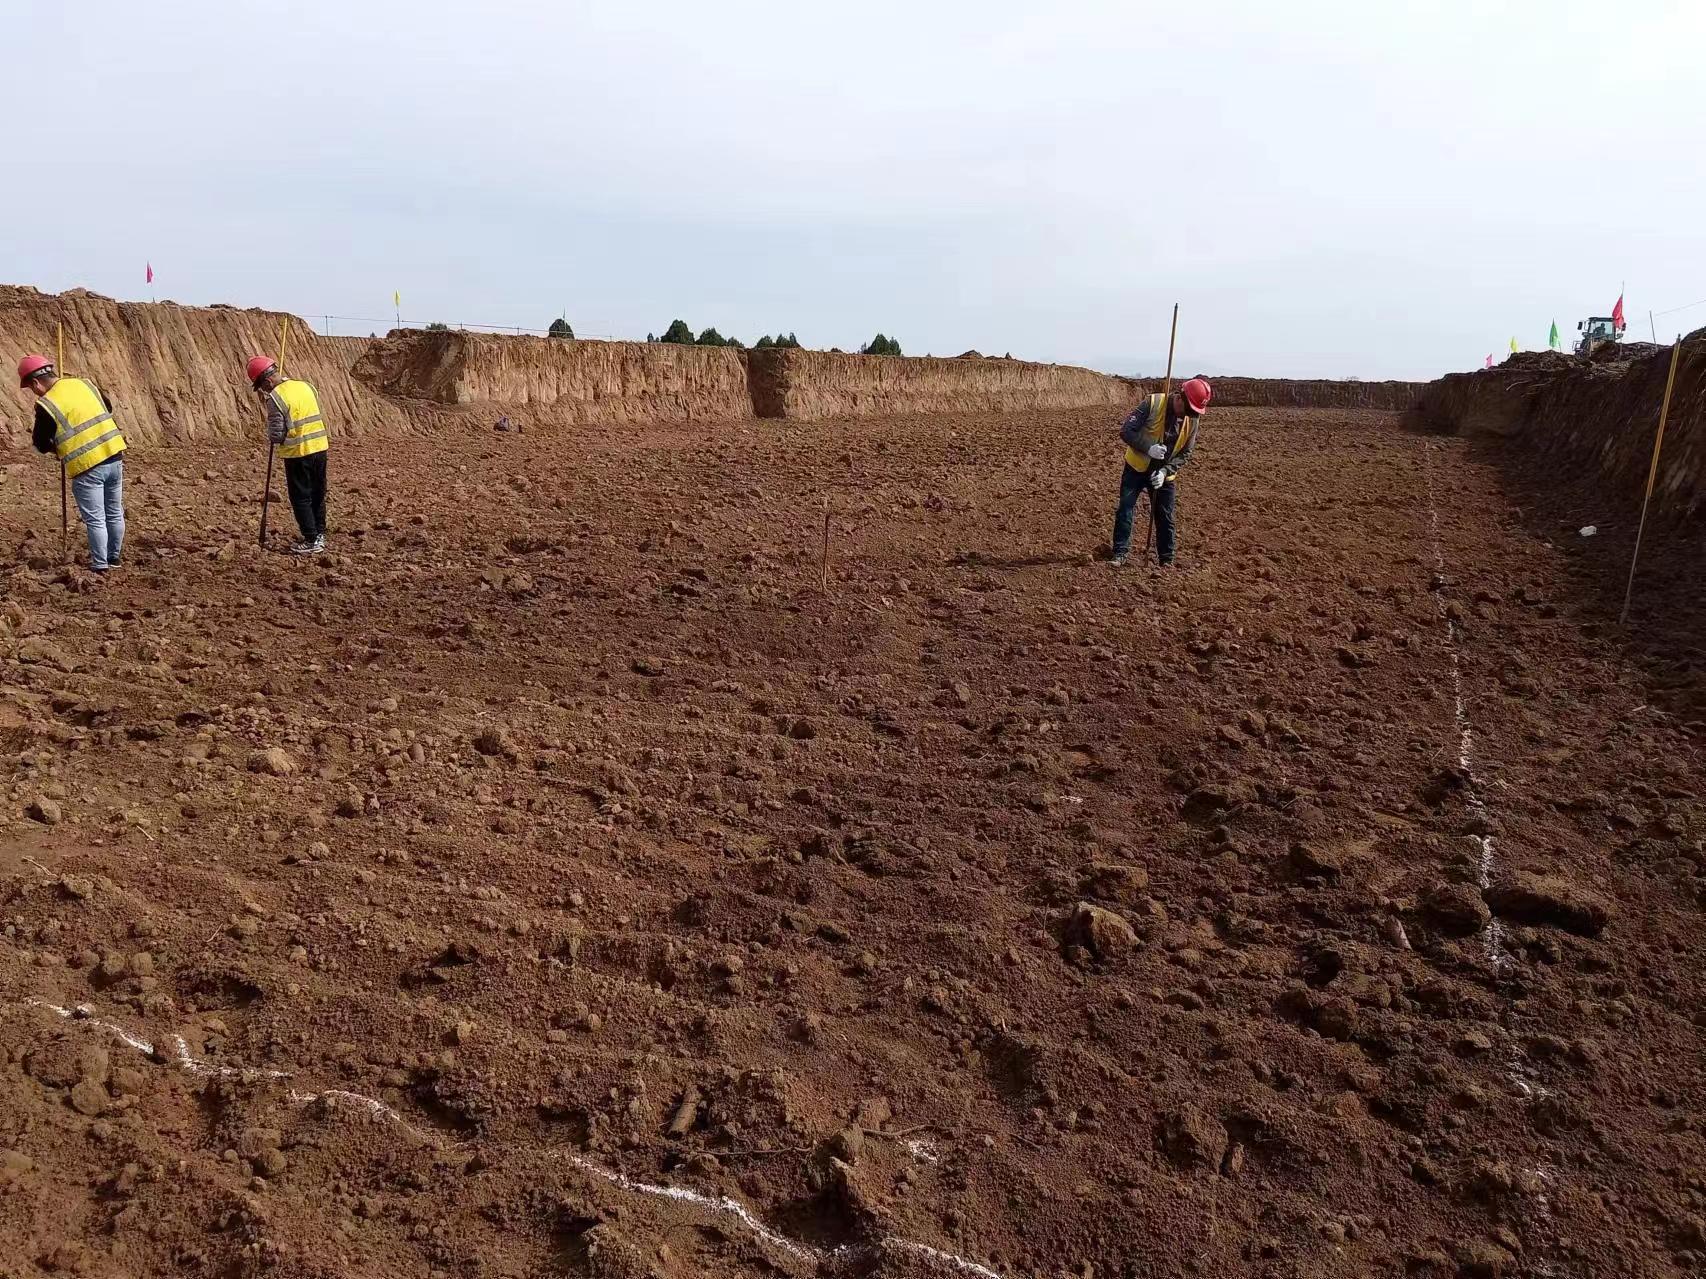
pixel 1652 474
pixel 1166 390
pixel 823 572
pixel 266 490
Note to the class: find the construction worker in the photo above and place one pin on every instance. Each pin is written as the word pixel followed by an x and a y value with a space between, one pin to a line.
pixel 295 425
pixel 1159 435
pixel 75 421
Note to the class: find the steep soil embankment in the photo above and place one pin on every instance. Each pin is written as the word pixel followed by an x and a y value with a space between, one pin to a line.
pixel 176 372
pixel 816 385
pixel 1313 393
pixel 1589 414
pixel 562 383
pixel 1299 393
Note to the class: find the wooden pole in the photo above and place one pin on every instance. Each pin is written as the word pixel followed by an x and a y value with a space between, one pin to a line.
pixel 266 479
pixel 1652 475
pixel 64 478
pixel 1167 384
pixel 1166 393
pixel 823 572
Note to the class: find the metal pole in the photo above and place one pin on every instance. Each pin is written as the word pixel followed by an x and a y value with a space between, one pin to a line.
pixel 1653 327
pixel 1652 474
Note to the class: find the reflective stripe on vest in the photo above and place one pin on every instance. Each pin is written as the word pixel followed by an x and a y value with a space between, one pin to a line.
pixel 301 408
pixel 84 432
pixel 1155 432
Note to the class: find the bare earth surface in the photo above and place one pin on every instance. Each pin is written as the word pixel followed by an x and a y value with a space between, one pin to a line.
pixel 552 881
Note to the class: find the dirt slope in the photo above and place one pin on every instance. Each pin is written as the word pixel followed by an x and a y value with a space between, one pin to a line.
pixel 1322 393
pixel 176 372
pixel 1595 415
pixel 812 386
pixel 612 903
pixel 557 383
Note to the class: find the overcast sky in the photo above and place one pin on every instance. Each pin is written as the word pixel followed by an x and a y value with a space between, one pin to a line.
pixel 1331 189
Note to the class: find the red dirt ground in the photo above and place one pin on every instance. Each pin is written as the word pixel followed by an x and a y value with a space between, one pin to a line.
pixel 612 857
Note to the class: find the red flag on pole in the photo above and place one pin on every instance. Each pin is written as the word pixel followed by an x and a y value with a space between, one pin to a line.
pixel 1489 361
pixel 1617 315
pixel 151 273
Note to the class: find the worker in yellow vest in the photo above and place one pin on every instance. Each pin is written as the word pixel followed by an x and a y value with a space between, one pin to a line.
pixel 295 425
pixel 75 422
pixel 1159 435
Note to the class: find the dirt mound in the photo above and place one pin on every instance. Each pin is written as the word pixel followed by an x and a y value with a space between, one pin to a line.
pixel 1600 416
pixel 812 386
pixel 550 381
pixel 1301 393
pixel 176 372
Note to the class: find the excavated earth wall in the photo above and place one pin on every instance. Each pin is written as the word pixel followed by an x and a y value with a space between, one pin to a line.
pixel 176 372
pixel 817 385
pixel 1312 393
pixel 1595 414
pixel 562 382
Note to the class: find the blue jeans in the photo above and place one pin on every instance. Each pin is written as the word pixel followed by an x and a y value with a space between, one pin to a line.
pixel 1163 504
pixel 99 493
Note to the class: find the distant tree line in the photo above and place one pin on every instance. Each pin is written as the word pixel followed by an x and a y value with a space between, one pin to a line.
pixel 679 334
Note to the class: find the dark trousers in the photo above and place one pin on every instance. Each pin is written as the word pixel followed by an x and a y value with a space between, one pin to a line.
pixel 305 477
pixel 1163 503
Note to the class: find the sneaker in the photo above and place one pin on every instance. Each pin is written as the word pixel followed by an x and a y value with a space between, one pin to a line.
pixel 1117 561
pixel 301 548
pixel 320 545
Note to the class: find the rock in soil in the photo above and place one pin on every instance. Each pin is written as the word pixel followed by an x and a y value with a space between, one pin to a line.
pixel 1541 899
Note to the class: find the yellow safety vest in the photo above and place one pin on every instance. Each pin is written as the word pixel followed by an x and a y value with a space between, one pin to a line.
pixel 301 407
pixel 84 432
pixel 1155 432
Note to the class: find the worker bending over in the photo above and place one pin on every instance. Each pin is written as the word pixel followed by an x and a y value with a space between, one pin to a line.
pixel 1159 435
pixel 75 421
pixel 295 425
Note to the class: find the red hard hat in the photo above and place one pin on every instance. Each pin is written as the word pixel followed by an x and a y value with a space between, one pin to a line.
pixel 31 365
pixel 1197 393
pixel 259 365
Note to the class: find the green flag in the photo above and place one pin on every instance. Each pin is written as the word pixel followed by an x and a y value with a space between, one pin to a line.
pixel 1553 340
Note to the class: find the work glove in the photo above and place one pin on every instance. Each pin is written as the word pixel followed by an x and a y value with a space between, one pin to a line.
pixel 1158 451
pixel 1157 478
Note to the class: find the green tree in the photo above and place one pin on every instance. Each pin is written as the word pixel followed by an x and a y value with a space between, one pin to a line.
pixel 438 326
pixel 678 332
pixel 735 342
pixel 880 345
pixel 792 342
pixel 710 337
pixel 764 343
pixel 560 329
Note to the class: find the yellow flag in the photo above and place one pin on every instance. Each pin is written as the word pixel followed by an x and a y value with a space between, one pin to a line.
pixel 1513 344
pixel 396 299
